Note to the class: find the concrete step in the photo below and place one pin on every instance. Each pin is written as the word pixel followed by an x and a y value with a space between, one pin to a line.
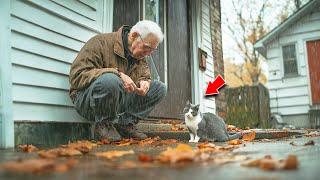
pixel 164 131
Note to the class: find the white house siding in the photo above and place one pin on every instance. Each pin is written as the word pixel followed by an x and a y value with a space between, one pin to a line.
pixel 291 96
pixel 45 38
pixel 207 103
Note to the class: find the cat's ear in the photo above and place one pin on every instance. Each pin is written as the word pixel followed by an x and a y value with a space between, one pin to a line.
pixel 197 107
pixel 188 103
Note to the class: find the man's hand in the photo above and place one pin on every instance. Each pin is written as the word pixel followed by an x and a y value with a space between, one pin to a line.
pixel 144 88
pixel 128 84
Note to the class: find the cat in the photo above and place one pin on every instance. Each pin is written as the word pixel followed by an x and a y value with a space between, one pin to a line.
pixel 205 126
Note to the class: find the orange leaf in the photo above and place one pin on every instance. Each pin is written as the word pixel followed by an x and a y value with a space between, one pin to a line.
pixel 145 158
pixel 39 166
pixel 28 148
pixel 249 137
pixel 113 154
pixel 235 142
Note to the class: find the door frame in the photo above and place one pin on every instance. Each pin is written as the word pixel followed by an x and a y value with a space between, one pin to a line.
pixel 6 104
pixel 314 38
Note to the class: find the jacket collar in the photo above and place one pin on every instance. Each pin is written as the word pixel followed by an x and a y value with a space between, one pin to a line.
pixel 118 44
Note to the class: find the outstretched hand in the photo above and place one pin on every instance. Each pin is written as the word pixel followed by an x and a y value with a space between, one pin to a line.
pixel 128 84
pixel 144 88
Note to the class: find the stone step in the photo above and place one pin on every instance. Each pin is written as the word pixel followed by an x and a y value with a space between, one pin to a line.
pixel 165 131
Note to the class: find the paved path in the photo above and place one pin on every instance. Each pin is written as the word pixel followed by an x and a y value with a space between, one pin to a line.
pixel 91 167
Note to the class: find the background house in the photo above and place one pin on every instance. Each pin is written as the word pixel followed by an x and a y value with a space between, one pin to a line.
pixel 292 51
pixel 40 39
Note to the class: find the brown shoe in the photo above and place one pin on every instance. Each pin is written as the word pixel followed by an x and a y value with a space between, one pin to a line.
pixel 130 131
pixel 106 131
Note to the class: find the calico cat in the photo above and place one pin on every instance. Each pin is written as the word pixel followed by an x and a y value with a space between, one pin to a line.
pixel 205 126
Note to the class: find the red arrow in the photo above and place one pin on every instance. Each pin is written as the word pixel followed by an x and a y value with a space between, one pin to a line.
pixel 215 85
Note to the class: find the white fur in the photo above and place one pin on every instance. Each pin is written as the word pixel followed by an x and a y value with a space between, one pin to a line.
pixel 145 27
pixel 192 123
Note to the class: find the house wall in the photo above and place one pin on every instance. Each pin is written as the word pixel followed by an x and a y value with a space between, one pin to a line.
pixel 45 39
pixel 216 38
pixel 291 96
pixel 207 103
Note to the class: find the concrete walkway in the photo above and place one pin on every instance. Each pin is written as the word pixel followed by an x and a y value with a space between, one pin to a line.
pixel 92 167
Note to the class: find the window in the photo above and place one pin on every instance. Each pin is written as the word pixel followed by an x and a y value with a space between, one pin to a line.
pixel 154 10
pixel 289 60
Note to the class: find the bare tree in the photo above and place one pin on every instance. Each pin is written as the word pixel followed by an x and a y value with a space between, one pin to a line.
pixel 249 27
pixel 247 22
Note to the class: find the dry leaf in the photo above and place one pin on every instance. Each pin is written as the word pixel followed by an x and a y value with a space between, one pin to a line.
pixel 113 154
pixel 145 158
pixel 291 162
pixel 267 163
pixel 58 152
pixel 148 141
pixel 206 145
pixel 82 146
pixel 235 142
pixel 39 166
pixel 249 137
pixel 181 153
pixel 28 148
pixel 309 143
pixel 104 141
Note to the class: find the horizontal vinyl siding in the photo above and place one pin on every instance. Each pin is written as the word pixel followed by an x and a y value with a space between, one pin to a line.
pixel 46 37
pixel 206 45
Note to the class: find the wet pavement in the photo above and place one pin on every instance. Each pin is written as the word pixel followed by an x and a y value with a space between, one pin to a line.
pixel 92 167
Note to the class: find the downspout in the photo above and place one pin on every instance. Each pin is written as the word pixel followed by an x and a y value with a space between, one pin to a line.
pixel 6 114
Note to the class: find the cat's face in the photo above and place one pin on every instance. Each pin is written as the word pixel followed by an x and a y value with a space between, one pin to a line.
pixel 191 110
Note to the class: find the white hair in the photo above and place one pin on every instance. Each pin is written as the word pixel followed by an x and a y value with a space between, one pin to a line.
pixel 146 27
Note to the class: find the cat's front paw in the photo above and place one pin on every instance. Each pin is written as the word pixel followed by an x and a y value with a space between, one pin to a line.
pixel 191 141
pixel 196 139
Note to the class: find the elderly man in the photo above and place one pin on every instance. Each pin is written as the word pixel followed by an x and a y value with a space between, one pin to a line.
pixel 111 80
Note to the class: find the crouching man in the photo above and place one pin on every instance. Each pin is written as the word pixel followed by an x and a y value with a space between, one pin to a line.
pixel 111 81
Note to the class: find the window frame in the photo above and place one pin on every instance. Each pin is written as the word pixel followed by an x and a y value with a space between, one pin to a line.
pixel 290 75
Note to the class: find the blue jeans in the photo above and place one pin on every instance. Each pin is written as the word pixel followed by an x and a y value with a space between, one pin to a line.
pixel 106 100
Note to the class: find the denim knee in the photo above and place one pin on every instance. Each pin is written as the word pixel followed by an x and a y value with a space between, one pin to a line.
pixel 108 82
pixel 160 88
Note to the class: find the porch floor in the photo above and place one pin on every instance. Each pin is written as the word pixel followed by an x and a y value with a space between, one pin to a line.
pixel 91 167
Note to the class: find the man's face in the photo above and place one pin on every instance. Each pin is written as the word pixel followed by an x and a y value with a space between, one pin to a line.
pixel 144 47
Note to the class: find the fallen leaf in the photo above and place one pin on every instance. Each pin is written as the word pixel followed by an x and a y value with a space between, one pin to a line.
pixel 58 152
pixel 39 166
pixel 148 141
pixel 28 148
pixel 291 162
pixel 82 146
pixel 267 163
pixel 181 153
pixel 145 158
pixel 309 143
pixel 235 142
pixel 114 154
pixel 249 137
pixel 206 145
pixel 125 142
pixel 104 141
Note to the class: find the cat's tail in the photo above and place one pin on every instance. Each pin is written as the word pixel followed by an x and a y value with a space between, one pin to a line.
pixel 235 136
